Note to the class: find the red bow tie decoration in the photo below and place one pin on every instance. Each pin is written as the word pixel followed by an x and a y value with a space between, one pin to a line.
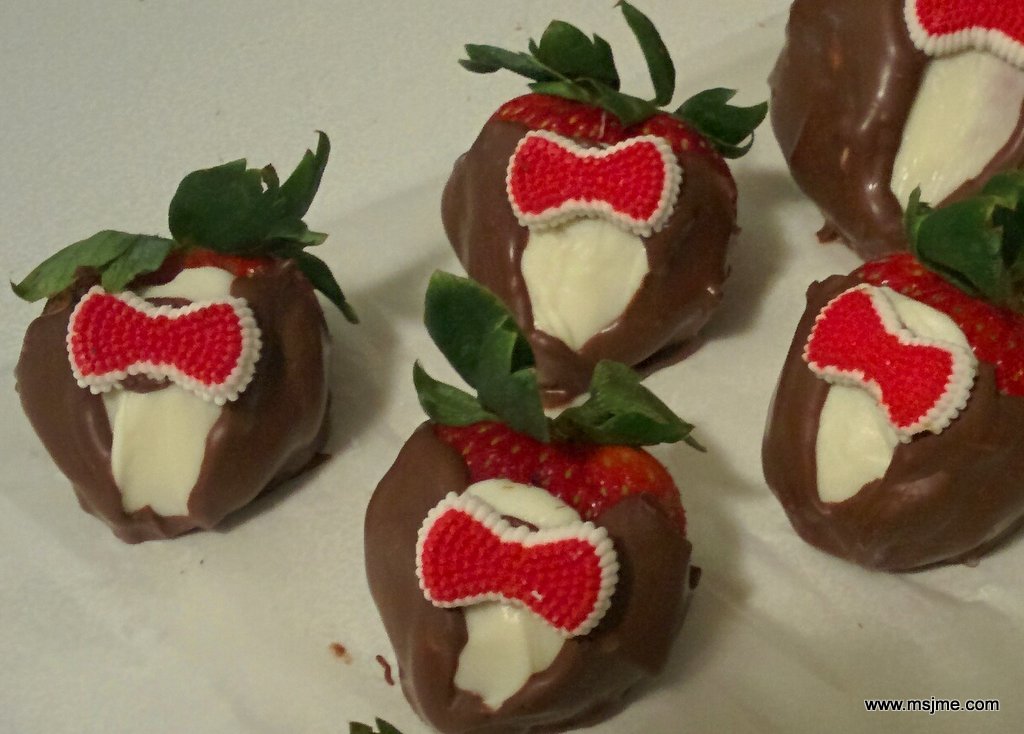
pixel 921 384
pixel 209 348
pixel 467 554
pixel 940 27
pixel 633 184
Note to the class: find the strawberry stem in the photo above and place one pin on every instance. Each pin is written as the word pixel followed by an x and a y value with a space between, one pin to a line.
pixel 229 209
pixel 477 334
pixel 568 64
pixel 976 244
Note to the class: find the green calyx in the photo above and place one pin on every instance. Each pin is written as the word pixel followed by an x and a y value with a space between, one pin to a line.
pixel 118 256
pixel 229 209
pixel 382 727
pixel 478 336
pixel 567 63
pixel 976 244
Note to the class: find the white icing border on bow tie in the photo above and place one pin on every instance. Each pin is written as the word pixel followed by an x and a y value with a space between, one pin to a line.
pixel 958 384
pixel 491 519
pixel 228 390
pixel 976 37
pixel 578 208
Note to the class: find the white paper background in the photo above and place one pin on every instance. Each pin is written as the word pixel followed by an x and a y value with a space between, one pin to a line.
pixel 107 104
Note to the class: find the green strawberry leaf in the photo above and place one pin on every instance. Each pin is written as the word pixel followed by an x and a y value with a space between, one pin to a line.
pixel 978 243
pixel 915 213
pixel 237 210
pixel 104 250
pixel 231 209
pixel 445 404
pixel 605 59
pixel 321 278
pixel 568 50
pixel 724 125
pixel 270 178
pixel 144 256
pixel 477 334
pixel 568 64
pixel 488 59
pixel 383 727
pixel 659 61
pixel 295 231
pixel 224 208
pixel 300 189
pixel 480 339
pixel 506 390
pixel 622 411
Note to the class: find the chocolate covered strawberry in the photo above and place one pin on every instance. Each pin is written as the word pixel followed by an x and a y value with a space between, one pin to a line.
pixel 872 99
pixel 896 435
pixel 174 380
pixel 600 219
pixel 529 570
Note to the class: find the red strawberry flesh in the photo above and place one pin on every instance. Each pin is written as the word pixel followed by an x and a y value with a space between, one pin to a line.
pixel 579 120
pixel 493 450
pixel 240 267
pixel 588 478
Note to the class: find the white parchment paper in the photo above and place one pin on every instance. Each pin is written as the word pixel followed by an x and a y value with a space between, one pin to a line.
pixel 106 105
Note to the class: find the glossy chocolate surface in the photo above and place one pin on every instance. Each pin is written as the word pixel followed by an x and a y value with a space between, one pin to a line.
pixel 841 92
pixel 268 435
pixel 686 259
pixel 591 675
pixel 944 498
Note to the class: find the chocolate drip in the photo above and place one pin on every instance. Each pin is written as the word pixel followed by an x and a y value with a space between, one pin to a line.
pixel 269 434
pixel 944 498
pixel 841 92
pixel 686 259
pixel 590 676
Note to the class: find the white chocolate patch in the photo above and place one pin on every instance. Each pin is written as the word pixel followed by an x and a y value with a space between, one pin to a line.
pixel 524 501
pixel 159 438
pixel 580 276
pixel 195 284
pixel 856 442
pixel 158 447
pixel 926 321
pixel 507 644
pixel 966 109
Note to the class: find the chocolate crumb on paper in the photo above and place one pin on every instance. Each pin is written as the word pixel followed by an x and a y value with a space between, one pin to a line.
pixel 388 677
pixel 341 652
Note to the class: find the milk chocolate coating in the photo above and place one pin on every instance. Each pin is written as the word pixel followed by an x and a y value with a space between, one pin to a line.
pixel 841 92
pixel 686 260
pixel 944 498
pixel 273 431
pixel 590 676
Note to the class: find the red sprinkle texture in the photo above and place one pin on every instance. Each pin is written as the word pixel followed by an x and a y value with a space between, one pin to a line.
pixel 467 553
pixel 940 27
pixel 592 124
pixel 858 339
pixel 996 334
pixel 209 348
pixel 552 179
pixel 587 477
